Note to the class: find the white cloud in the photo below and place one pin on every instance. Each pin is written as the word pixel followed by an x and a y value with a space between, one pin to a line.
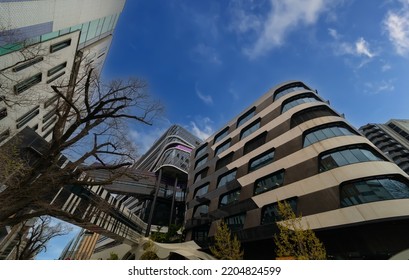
pixel 144 140
pixel 202 129
pixel 379 87
pixel 333 33
pixel 386 67
pixel 207 99
pixel 283 17
pixel 397 26
pixel 362 48
pixel 359 48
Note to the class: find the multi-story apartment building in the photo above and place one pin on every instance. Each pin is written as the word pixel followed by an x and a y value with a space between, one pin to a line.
pixel 392 138
pixel 291 145
pixel 44 43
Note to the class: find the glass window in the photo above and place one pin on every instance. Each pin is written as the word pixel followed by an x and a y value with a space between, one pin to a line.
pixel 254 143
pixel 201 211
pixel 236 222
pixel 229 198
pixel 202 190
pixel 226 178
pixel 201 150
pixel 270 213
pixel 222 147
pixel 92 29
pixel 246 116
pixel 309 114
pixel 298 100
pixel 289 89
pixel 202 174
pixel 21 121
pixel 49 36
pixel 4 135
pixel 250 129
pixel 201 162
pixel 105 26
pixel 224 161
pixel 55 69
pixel 261 160
pixel 269 182
pixel 347 156
pixel 27 64
pixel 84 32
pixel 372 190
pixel 27 83
pixel 325 132
pixel 3 113
pixel 59 46
pixel 221 135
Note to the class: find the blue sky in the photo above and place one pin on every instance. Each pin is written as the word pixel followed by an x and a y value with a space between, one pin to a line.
pixel 209 60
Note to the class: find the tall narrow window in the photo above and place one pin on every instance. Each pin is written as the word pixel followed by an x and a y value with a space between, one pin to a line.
pixel 27 83
pixel 269 182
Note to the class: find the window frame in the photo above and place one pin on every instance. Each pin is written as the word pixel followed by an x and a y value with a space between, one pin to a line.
pixel 251 128
pixel 275 173
pixel 272 150
pixel 221 135
pixel 28 83
pixel 246 116
pixel 60 45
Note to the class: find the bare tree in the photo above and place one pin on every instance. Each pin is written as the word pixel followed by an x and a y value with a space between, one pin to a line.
pixel 35 239
pixel 91 126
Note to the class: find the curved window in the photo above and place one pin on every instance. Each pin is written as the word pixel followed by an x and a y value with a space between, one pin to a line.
pixel 288 89
pixel 224 161
pixel 270 213
pixel 347 156
pixel 226 178
pixel 269 182
pixel 222 147
pixel 261 160
pixel 201 162
pixel 311 113
pixel 372 190
pixel 246 116
pixel 201 211
pixel 202 190
pixel 298 100
pixel 229 198
pixel 221 135
pixel 199 176
pixel 328 131
pixel 255 143
pixel 250 129
pixel 201 150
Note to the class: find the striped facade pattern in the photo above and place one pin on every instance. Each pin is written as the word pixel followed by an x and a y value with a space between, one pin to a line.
pixel 291 145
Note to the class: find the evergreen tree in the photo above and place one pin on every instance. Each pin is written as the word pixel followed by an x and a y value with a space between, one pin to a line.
pixel 294 241
pixel 225 246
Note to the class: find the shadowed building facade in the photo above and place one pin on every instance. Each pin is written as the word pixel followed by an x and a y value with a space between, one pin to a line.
pixel 291 145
